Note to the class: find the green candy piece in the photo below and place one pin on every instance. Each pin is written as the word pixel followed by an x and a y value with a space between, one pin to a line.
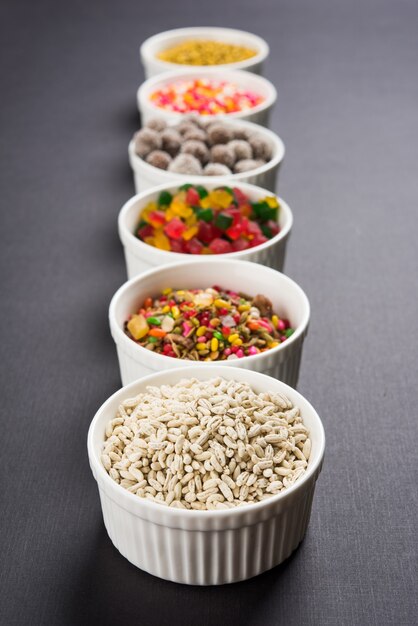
pixel 289 332
pixel 205 214
pixel 223 221
pixel 263 212
pixel 218 335
pixel 154 320
pixel 185 187
pixel 152 339
pixel 201 191
pixel 266 231
pixel 165 198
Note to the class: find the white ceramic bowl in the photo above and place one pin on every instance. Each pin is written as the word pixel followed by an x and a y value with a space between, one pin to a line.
pixel 288 299
pixel 141 257
pixel 152 46
pixel 259 114
pixel 147 176
pixel 206 547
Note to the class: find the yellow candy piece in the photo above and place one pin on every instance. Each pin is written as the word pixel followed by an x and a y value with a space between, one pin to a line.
pixel 233 338
pixel 275 321
pixel 206 202
pixel 166 308
pixel 138 326
pixel 237 342
pixel 201 331
pixel 201 346
pixel 169 215
pixel 214 344
pixel 151 206
pixel 191 220
pixel 273 344
pixel 176 312
pixel 220 198
pixel 244 307
pixel 150 241
pixel 190 232
pixel 161 241
pixel 180 209
pixel 219 303
pixel 272 202
pixel 167 291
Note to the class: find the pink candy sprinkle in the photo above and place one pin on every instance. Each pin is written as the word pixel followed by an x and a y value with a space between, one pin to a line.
pixel 186 328
pixel 252 350
pixel 240 353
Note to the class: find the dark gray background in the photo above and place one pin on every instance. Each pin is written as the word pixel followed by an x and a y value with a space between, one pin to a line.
pixel 346 74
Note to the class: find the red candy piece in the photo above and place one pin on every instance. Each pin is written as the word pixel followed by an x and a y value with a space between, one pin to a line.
pixel 193 246
pixel 192 197
pixel 157 217
pixel 274 227
pixel 175 228
pixel 234 231
pixel 240 244
pixel 207 232
pixel 241 198
pixel 145 231
pixel 220 246
pixel 253 228
pixel 177 245
pixel 258 239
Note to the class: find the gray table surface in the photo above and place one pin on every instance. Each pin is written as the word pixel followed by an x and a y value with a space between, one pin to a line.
pixel 346 74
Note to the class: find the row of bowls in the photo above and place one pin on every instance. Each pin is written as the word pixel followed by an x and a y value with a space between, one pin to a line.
pixel 206 547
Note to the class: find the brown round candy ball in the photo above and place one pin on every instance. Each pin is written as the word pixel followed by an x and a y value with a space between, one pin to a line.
pixel 216 169
pixel 219 133
pixel 262 147
pixel 197 148
pixel 159 158
pixel 146 140
pixel 240 132
pixel 197 134
pixel 185 164
pixel 185 126
pixel 241 149
pixel 171 141
pixel 156 123
pixel 222 154
pixel 247 165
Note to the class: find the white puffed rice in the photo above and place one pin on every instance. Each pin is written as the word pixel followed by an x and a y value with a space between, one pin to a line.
pixel 206 445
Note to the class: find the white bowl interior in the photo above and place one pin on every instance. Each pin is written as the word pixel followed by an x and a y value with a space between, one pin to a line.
pixel 259 383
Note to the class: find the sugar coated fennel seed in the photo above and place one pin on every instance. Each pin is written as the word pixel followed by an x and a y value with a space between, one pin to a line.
pixel 205 445
pixel 195 220
pixel 205 52
pixel 211 324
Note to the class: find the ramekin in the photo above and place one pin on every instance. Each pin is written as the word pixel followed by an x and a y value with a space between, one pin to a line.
pixel 147 176
pixel 245 80
pixel 141 257
pixel 206 547
pixel 288 299
pixel 153 45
